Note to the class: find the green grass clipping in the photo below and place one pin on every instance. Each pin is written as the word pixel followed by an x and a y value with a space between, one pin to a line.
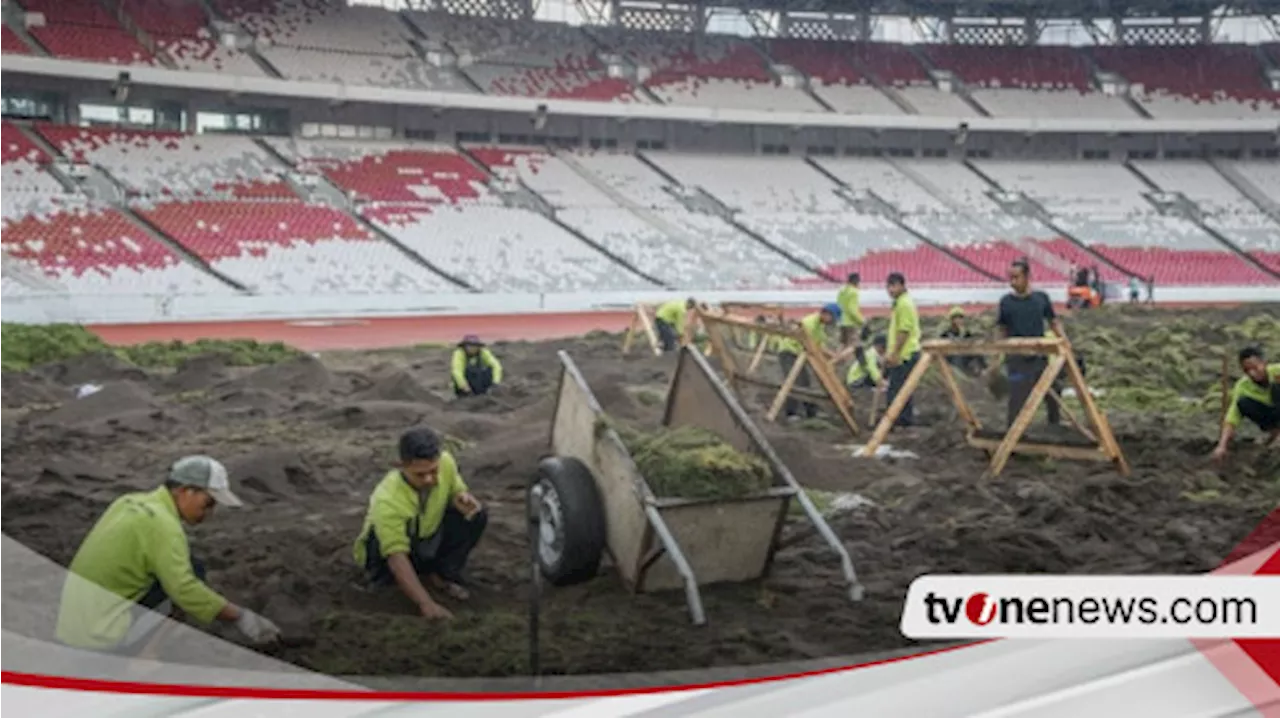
pixel 690 462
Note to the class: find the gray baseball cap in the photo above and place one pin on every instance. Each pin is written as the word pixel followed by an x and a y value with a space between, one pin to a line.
pixel 204 472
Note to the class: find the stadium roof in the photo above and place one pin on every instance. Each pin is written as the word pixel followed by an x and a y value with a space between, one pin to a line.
pixel 1018 8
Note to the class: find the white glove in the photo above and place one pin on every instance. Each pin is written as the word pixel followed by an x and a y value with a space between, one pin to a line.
pixel 256 628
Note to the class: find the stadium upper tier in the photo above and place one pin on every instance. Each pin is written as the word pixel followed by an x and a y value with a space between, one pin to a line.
pixel 208 214
pixel 327 40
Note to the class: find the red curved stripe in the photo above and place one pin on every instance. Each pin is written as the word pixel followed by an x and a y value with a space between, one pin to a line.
pixel 96 685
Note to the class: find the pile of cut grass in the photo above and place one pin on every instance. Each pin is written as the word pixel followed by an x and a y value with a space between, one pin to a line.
pixel 693 463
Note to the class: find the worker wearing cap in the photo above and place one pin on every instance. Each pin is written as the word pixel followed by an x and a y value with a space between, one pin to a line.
pixel 815 326
pixel 474 369
pixel 671 322
pixel 850 309
pixel 422 522
pixel 1256 396
pixel 956 329
pixel 904 343
pixel 136 558
pixel 864 372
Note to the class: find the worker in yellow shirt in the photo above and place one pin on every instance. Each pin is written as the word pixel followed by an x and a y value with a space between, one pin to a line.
pixel 422 521
pixel 866 374
pixel 134 567
pixel 851 320
pixel 671 323
pixel 816 325
pixel 474 369
pixel 1256 396
pixel 904 343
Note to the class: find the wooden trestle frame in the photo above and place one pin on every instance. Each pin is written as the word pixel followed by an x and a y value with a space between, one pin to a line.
pixel 936 351
pixel 720 326
pixel 642 320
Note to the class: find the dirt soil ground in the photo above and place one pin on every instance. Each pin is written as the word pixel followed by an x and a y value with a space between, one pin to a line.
pixel 307 440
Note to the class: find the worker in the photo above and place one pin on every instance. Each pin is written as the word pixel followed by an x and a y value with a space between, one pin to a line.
pixel 135 566
pixel 474 369
pixel 815 326
pixel 1256 397
pixel 1025 312
pixel 422 521
pixel 670 321
pixel 1151 289
pixel 755 337
pixel 972 364
pixel 850 309
pixel 866 374
pixel 1134 291
pixel 903 344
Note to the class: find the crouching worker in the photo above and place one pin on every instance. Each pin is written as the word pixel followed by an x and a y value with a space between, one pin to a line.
pixel 1256 397
pixel 475 370
pixel 422 522
pixel 671 323
pixel 137 555
pixel 956 329
pixel 816 325
pixel 865 371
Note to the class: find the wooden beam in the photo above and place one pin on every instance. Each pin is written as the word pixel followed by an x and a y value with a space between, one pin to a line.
pixel 899 403
pixel 1057 451
pixel 957 395
pixel 787 385
pixel 1094 414
pixel 1024 346
pixel 1025 415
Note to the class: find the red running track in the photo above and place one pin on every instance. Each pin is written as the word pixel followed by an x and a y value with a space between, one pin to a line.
pixel 386 332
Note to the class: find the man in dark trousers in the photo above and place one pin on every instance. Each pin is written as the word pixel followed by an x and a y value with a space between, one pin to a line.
pixel 904 344
pixel 1025 312
pixel 1256 397
pixel 422 522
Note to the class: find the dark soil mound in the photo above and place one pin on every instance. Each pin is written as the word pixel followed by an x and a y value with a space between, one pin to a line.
pixel 199 373
pixel 268 474
pixel 399 386
pixel 304 375
pixel 92 368
pixel 113 401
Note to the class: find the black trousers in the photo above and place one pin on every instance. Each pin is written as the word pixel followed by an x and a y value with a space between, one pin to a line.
pixel 479 378
pixel 444 553
pixel 788 361
pixel 667 335
pixel 897 377
pixel 1266 417
pixel 1022 379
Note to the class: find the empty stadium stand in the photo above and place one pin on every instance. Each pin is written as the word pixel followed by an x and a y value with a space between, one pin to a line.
pixel 833 76
pixel 12 44
pixel 1194 81
pixel 387 171
pixel 1105 205
pixel 85 30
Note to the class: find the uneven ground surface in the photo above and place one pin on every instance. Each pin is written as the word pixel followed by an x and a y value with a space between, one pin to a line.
pixel 307 439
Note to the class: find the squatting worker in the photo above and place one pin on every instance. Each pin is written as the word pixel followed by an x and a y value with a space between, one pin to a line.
pixel 1025 312
pixel 474 369
pixel 137 555
pixel 904 343
pixel 671 322
pixel 866 374
pixel 956 329
pixel 1256 397
pixel 422 522
pixel 850 309
pixel 789 351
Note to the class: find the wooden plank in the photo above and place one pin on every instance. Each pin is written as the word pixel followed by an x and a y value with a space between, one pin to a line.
pixel 827 377
pixel 759 354
pixel 1057 451
pixel 1021 345
pixel 797 392
pixel 898 404
pixel 1095 415
pixel 787 385
pixel 1026 415
pixel 643 314
pixel 630 337
pixel 1071 417
pixel 957 395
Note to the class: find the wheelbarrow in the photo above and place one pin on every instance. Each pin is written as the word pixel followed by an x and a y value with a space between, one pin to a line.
pixel 588 498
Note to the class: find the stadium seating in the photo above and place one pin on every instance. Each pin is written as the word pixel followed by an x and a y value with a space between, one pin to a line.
pixel 162 164
pixel 90 249
pixel 23 164
pixel 833 76
pixel 14 45
pixel 1028 81
pixel 86 30
pixel 1194 81
pixel 793 206
pixel 181 28
pixel 718 71
pixel 509 57
pixel 330 41
pixel 398 172
pixel 1104 205
pixel 289 247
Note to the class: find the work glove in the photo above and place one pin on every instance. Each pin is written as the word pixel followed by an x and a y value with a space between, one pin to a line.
pixel 257 629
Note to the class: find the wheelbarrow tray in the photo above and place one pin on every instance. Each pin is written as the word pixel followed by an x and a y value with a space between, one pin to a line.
pixel 659 543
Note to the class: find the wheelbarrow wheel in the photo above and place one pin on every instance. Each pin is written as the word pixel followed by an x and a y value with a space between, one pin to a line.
pixel 565 503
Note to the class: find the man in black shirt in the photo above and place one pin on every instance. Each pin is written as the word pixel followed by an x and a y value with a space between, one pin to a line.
pixel 1027 313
